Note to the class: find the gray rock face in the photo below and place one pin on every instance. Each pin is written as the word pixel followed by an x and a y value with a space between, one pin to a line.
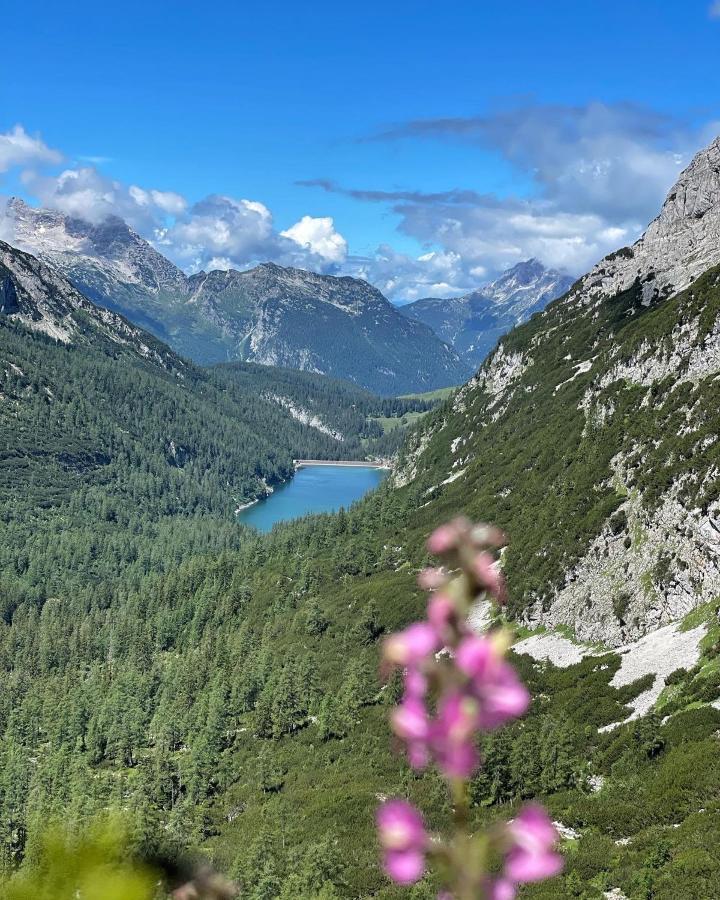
pixel 474 323
pixel 110 249
pixel 634 351
pixel 617 593
pixel 8 297
pixel 678 246
pixel 34 294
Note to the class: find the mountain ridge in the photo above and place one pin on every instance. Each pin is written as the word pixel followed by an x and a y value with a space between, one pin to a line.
pixel 473 323
pixel 596 424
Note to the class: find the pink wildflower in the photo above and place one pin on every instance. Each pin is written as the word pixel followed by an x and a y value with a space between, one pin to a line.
pixel 404 840
pixel 472 689
pixel 500 889
pixel 532 856
pixel 416 683
pixel 489 576
pixel 412 645
pixel 410 723
pixel 410 720
pixel 441 612
pixel 442 540
pixel 453 735
pixel 431 579
pixel 448 537
pixel 494 682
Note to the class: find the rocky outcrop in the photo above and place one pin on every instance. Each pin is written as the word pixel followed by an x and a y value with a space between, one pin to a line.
pixel 34 294
pixel 624 535
pixel 678 246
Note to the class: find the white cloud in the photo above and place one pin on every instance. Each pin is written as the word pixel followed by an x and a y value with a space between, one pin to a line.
pixel 86 193
pixel 600 174
pixel 405 277
pixel 319 236
pixel 167 201
pixel 18 148
pixel 220 227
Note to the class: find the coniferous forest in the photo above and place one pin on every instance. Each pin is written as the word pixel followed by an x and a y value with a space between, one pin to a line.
pixel 359 451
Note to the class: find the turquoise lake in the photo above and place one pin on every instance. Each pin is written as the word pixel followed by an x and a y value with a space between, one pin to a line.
pixel 313 489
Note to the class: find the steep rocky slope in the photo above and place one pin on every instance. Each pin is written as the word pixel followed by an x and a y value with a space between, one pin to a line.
pixel 269 314
pixel 37 296
pixel 474 323
pixel 592 432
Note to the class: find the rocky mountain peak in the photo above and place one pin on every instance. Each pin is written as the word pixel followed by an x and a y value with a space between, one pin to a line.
pixel 678 246
pixel 69 243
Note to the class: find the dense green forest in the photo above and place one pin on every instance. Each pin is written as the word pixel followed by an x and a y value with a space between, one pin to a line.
pixel 112 466
pixel 367 424
pixel 219 689
pixel 235 701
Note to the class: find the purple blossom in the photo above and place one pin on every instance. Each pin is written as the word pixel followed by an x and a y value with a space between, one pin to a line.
pixel 494 682
pixel 411 646
pixel 410 720
pixel 404 841
pixel 471 689
pixel 489 576
pixel 532 856
pixel 441 613
pixel 444 539
pixel 453 735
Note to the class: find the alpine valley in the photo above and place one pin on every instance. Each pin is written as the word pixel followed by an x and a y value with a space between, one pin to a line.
pixel 219 687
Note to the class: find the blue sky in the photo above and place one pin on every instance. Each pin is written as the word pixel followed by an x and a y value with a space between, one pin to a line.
pixel 541 114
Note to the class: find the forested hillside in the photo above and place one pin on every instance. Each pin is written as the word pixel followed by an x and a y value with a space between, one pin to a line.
pixel 117 456
pixel 226 697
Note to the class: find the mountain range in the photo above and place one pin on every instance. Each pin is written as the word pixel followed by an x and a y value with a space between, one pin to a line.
pixel 270 315
pixel 473 324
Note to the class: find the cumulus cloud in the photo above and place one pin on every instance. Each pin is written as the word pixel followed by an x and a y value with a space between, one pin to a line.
pixel 597 175
pixel 220 228
pixel 406 278
pixel 216 232
pixel 167 201
pixel 319 236
pixel 86 193
pixel 18 148
pixel 221 232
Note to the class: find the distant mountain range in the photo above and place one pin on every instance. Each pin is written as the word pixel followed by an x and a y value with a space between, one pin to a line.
pixel 271 315
pixel 473 324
